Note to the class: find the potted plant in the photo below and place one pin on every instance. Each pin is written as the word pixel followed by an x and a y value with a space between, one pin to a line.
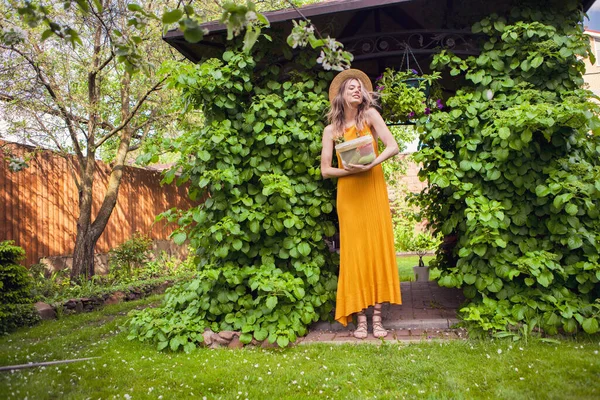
pixel 405 95
pixel 421 244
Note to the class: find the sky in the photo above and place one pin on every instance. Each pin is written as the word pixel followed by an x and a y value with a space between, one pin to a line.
pixel 594 17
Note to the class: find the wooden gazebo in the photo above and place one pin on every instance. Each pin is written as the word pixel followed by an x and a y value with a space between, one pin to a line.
pixel 377 32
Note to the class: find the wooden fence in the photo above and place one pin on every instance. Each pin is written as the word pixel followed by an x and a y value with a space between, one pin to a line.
pixel 39 205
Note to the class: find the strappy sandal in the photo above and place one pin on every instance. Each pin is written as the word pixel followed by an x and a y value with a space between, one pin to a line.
pixel 361 329
pixel 378 330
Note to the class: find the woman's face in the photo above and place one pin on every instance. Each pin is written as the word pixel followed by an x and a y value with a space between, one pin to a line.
pixel 353 93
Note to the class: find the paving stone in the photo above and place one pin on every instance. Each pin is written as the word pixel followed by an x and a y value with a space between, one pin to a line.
pixel 345 339
pixel 417 332
pixel 427 311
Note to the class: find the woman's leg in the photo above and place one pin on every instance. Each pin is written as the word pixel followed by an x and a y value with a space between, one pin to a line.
pixel 361 328
pixel 378 329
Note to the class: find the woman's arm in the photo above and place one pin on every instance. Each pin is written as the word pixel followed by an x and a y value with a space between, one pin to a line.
pixel 383 133
pixel 327 171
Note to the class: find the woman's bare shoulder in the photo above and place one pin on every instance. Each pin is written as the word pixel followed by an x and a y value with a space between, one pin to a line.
pixel 328 131
pixel 372 112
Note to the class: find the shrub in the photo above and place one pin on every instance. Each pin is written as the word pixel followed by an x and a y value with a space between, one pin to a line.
pixel 166 264
pixel 16 301
pixel 264 267
pixel 514 172
pixel 127 258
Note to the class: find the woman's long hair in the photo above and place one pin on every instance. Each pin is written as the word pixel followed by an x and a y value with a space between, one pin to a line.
pixel 335 116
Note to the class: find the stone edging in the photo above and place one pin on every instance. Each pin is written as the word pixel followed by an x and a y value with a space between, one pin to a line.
pixel 75 306
pixel 231 339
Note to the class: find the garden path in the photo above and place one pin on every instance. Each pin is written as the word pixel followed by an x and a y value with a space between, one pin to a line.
pixel 428 312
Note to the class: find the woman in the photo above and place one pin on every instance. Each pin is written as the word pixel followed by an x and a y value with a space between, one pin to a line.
pixel 368 271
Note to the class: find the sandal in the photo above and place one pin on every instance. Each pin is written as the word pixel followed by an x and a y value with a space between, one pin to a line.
pixel 378 330
pixel 361 329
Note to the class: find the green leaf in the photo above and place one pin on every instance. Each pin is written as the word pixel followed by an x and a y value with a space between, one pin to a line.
pixel 162 345
pixel 283 341
pixel 480 249
pixel 571 209
pixel 590 325
pixel 171 17
pixel 469 279
pixel 46 34
pixel 193 35
pixel 261 334
pixel 174 343
pixel 542 190
pixel 537 61
pixel 574 242
pixel 179 238
pixel 304 249
pixel 495 286
pixel 254 226
pixel 504 132
pixel 246 338
pixel 250 39
pixel 271 302
pixel 134 7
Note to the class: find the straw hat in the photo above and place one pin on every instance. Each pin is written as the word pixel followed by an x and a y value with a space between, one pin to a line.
pixel 334 88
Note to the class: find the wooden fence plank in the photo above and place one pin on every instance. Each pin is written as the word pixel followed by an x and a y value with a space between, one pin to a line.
pixel 40 205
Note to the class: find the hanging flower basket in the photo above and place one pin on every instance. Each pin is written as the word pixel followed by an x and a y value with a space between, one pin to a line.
pixel 405 96
pixel 420 83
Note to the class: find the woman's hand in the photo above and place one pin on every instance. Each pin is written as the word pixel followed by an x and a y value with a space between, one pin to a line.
pixel 358 168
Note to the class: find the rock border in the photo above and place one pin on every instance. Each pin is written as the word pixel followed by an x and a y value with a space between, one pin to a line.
pixel 79 305
pixel 231 340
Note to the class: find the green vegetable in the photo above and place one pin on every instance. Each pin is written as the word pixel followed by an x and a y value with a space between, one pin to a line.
pixel 367 159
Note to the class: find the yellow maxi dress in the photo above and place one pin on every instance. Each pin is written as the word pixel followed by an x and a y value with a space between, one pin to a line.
pixel 368 269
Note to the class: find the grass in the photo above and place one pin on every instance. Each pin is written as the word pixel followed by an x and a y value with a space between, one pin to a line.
pixel 406 264
pixel 471 369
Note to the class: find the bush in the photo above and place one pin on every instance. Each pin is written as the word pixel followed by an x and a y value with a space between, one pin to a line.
pixel 48 284
pixel 408 235
pixel 165 265
pixel 514 176
pixel 16 300
pixel 128 258
pixel 264 267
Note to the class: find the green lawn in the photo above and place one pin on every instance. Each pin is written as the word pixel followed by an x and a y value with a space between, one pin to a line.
pixel 439 370
pixel 406 264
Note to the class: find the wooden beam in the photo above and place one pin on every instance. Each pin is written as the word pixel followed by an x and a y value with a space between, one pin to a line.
pixel 403 19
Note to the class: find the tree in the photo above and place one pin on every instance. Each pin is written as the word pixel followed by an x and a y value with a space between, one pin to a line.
pixel 84 96
pixel 65 85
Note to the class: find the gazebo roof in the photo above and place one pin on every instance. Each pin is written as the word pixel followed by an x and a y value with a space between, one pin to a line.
pixel 360 24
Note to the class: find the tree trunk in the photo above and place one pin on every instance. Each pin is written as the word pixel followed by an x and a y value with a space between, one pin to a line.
pixel 83 257
pixel 88 231
pixel 83 254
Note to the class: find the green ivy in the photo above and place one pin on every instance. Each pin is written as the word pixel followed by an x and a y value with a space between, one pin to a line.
pixel 514 176
pixel 263 266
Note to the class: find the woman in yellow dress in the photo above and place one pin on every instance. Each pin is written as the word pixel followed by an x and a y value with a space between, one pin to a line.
pixel 368 270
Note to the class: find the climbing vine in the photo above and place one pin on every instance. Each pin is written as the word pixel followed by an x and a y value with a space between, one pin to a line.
pixel 264 267
pixel 514 176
